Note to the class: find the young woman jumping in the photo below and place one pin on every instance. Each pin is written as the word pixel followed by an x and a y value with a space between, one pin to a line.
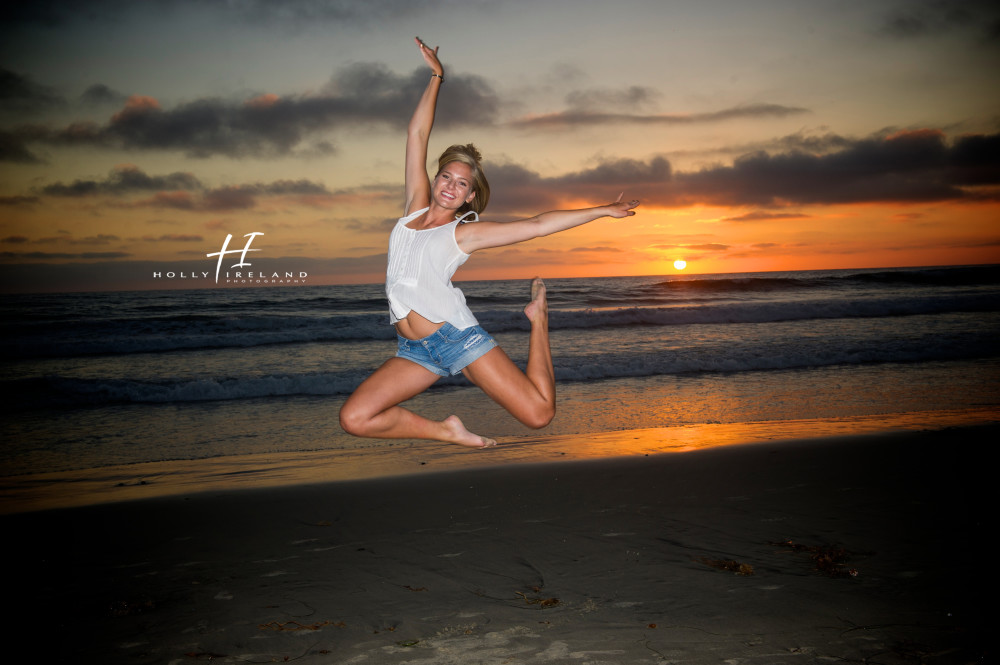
pixel 437 333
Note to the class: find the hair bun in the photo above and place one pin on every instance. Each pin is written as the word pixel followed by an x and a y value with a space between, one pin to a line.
pixel 473 152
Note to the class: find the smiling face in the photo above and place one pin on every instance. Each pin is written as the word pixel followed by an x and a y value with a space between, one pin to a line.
pixel 452 186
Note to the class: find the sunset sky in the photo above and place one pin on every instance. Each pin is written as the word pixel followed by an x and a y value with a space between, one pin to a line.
pixel 760 135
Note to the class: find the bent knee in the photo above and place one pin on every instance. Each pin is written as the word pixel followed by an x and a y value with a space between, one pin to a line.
pixel 352 420
pixel 538 418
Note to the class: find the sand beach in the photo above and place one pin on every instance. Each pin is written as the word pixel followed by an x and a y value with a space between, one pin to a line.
pixel 865 548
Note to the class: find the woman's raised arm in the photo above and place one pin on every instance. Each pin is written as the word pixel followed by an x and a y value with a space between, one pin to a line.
pixel 483 235
pixel 418 187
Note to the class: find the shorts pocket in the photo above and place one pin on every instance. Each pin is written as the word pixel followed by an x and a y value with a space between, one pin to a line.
pixel 456 336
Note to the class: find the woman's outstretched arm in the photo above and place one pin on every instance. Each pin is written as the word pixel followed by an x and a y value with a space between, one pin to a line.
pixel 483 235
pixel 418 188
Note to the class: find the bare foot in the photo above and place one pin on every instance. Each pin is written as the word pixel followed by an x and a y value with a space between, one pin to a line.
pixel 464 437
pixel 538 309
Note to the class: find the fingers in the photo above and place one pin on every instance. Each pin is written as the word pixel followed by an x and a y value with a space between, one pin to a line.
pixel 625 207
pixel 627 204
pixel 422 45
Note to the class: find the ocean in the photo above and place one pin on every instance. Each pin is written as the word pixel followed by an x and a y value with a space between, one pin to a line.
pixel 95 380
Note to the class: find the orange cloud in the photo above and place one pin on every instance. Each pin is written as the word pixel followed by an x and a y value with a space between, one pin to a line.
pixel 136 105
pixel 263 101
pixel 917 135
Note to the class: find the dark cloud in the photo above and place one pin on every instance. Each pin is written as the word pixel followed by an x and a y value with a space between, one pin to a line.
pixel 266 125
pixel 913 166
pixel 634 96
pixel 229 198
pixel 99 239
pixel 18 200
pixel 910 166
pixel 242 197
pixel 515 190
pixel 636 172
pixel 578 117
pixel 123 181
pixel 101 95
pixel 975 160
pixel 174 237
pixel 62 256
pixel 66 239
pixel 13 148
pixel 520 192
pixel 180 191
pixel 801 141
pixel 928 18
pixel 904 167
pixel 907 166
pixel 22 95
pixel 284 187
pixel 811 143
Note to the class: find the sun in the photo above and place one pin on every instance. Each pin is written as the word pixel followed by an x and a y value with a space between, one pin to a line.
pixel 680 265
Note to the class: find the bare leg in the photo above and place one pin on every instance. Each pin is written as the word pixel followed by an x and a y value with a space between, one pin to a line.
pixel 529 396
pixel 539 368
pixel 373 410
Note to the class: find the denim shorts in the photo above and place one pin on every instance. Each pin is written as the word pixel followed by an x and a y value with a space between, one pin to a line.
pixel 448 350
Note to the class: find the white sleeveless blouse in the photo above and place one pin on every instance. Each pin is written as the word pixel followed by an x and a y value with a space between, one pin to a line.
pixel 418 276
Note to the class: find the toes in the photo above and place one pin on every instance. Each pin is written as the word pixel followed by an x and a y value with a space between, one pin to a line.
pixel 537 286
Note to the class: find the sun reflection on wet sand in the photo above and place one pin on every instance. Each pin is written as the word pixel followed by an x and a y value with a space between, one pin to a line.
pixel 158 479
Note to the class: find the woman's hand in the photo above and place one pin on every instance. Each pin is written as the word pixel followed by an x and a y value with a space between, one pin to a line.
pixel 622 208
pixel 431 57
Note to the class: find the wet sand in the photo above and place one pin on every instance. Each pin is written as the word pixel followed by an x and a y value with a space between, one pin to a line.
pixel 868 548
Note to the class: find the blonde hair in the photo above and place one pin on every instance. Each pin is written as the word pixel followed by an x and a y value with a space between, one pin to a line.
pixel 469 155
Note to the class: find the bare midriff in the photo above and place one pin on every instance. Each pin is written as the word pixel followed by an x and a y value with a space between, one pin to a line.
pixel 415 326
